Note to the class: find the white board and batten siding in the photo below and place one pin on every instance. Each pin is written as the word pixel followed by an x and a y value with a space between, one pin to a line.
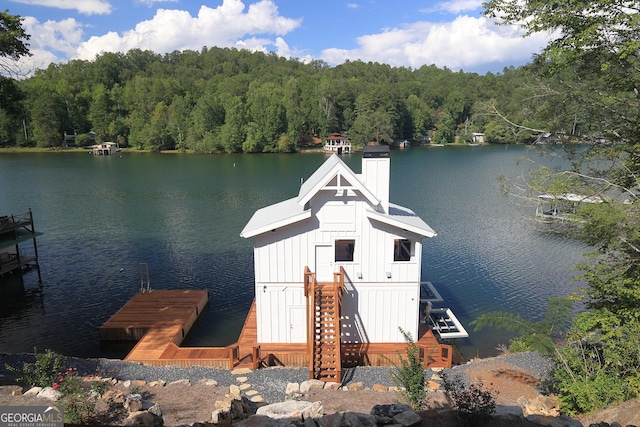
pixel 376 313
pixel 281 312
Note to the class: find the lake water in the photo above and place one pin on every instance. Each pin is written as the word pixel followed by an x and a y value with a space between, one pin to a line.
pixel 182 214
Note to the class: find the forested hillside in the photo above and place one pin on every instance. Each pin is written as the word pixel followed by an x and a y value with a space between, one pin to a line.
pixel 228 100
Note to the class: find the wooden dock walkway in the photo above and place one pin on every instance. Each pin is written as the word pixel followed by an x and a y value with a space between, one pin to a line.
pixel 161 319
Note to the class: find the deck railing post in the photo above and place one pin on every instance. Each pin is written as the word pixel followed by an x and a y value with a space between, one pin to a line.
pixel 233 356
pixel 255 357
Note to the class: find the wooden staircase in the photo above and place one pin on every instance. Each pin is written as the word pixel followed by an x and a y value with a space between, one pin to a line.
pixel 323 339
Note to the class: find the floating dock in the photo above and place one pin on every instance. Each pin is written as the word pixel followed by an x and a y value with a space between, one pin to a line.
pixel 160 320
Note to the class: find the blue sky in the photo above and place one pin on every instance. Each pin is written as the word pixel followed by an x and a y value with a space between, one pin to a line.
pixel 409 33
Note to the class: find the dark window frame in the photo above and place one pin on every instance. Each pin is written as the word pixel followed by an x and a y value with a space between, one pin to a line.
pixel 402 250
pixel 344 250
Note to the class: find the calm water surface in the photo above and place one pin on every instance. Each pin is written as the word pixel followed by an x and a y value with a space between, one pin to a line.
pixel 182 214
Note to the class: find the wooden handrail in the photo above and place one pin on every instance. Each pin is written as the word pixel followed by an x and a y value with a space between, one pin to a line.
pixel 338 283
pixel 309 280
pixel 309 293
pixel 338 292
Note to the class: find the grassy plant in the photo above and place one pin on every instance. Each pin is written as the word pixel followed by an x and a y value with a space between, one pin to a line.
pixel 409 375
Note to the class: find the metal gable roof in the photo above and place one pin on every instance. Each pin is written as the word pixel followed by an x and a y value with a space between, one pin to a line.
pixel 274 216
pixel 293 210
pixel 403 218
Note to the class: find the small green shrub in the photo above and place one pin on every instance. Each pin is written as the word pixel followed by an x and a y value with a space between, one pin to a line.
pixel 99 387
pixel 48 371
pixel 77 399
pixel 43 372
pixel 410 374
pixel 472 402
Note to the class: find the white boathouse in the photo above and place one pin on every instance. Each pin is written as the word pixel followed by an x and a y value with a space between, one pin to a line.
pixel 339 265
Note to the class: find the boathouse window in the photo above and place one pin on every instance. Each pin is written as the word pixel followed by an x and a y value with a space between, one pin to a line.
pixel 345 250
pixel 402 250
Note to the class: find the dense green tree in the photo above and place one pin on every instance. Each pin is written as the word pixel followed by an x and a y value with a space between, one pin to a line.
pixel 13 43
pixel 13 46
pixel 591 68
pixel 101 113
pixel 296 115
pixel 158 130
pixel 207 116
pixel 267 117
pixel 233 132
pixel 421 117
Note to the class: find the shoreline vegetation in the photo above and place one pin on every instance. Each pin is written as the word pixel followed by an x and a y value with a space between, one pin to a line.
pixel 303 150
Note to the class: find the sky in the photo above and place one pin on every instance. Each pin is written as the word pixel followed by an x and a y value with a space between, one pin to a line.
pixel 401 33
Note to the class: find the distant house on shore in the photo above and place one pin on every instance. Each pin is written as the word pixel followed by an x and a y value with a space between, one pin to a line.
pixel 477 138
pixel 105 149
pixel 338 269
pixel 337 143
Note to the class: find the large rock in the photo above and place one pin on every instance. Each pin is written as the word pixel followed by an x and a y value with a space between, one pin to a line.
pixel 350 419
pixel 144 418
pixel 356 386
pixel 541 405
pixel 33 391
pixel 313 384
pixel 257 421
pixel 49 393
pixel 292 409
pixel 408 419
pixel 133 402
pixel 234 406
pixel 549 421
pixel 385 414
pixel 390 411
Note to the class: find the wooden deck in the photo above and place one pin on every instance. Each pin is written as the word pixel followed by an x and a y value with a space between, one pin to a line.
pixel 159 321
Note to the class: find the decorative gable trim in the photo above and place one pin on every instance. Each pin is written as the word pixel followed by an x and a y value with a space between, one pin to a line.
pixel 334 174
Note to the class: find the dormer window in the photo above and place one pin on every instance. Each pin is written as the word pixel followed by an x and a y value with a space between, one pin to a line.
pixel 344 250
pixel 402 250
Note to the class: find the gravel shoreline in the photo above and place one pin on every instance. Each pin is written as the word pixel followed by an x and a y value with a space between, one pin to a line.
pixel 269 382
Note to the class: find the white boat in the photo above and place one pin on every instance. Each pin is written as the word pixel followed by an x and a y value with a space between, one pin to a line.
pixel 442 321
pixel 562 206
pixel 446 324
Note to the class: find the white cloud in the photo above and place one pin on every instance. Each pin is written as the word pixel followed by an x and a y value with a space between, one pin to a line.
pixel 458 6
pixel 152 2
pixel 283 49
pixel 85 7
pixel 226 25
pixel 463 43
pixel 50 41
